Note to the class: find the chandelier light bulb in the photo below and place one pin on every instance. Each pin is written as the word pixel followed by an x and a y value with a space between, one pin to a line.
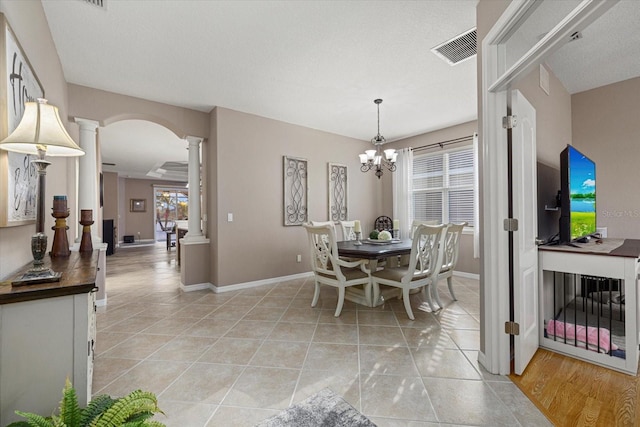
pixel 374 159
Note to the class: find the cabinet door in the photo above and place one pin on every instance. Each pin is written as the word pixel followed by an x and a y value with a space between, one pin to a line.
pixel 37 344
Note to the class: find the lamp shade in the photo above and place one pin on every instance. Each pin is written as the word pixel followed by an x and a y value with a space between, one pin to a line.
pixel 41 128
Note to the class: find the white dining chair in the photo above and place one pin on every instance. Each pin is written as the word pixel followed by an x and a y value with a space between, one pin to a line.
pixel 419 273
pixel 449 249
pixel 330 223
pixel 347 230
pixel 416 222
pixel 329 269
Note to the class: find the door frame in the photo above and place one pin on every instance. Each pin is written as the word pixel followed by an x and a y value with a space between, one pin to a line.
pixel 497 79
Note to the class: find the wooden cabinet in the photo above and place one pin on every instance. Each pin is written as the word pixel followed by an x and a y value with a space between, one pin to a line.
pixel 47 334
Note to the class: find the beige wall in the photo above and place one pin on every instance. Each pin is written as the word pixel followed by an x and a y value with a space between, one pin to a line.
pixel 553 115
pixel 606 128
pixel 110 207
pixel 28 22
pixel 106 108
pixel 248 173
pixel 466 262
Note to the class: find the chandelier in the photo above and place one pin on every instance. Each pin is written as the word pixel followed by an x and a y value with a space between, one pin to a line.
pixel 374 159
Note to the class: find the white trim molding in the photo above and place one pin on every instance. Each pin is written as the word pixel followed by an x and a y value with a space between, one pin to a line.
pixel 255 284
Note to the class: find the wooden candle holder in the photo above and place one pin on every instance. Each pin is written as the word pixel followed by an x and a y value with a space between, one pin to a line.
pixel 60 246
pixel 86 220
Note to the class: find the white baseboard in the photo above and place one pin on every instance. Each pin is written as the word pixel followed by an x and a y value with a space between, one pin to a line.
pixel 466 275
pixel 196 287
pixel 101 302
pixel 255 284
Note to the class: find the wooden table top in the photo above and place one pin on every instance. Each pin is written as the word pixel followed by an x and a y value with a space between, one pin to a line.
pixel 78 276
pixel 347 248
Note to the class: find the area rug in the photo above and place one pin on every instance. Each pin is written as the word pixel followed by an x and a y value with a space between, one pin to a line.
pixel 324 408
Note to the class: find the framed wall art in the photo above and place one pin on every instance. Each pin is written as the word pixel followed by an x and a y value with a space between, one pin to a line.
pixel 338 210
pixel 18 177
pixel 138 205
pixel 295 191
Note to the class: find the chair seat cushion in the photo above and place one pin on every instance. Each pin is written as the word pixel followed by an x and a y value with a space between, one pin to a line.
pixel 396 274
pixel 445 269
pixel 349 274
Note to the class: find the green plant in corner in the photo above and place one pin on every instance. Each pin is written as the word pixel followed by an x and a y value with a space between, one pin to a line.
pixel 132 410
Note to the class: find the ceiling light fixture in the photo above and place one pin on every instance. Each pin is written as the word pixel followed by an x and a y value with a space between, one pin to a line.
pixel 373 159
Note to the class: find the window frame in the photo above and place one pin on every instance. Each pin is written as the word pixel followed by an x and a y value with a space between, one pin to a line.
pixel 445 188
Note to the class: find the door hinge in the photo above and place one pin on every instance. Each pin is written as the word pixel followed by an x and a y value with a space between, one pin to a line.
pixel 511 328
pixel 510 224
pixel 509 122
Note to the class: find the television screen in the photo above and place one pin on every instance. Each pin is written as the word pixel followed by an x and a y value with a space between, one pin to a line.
pixel 578 195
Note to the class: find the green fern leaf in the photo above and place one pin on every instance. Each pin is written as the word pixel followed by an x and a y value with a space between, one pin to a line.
pixel 19 424
pixel 69 408
pixel 136 418
pixel 95 409
pixel 153 423
pixel 58 422
pixel 134 403
pixel 35 420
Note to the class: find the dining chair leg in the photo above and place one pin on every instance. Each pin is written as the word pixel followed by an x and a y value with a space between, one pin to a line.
pixel 436 294
pixel 427 294
pixel 407 303
pixel 450 284
pixel 340 301
pixel 316 295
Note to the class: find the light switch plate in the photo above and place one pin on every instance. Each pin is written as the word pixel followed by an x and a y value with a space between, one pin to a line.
pixel 229 217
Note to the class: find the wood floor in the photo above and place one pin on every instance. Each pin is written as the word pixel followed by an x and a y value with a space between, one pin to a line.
pixel 575 393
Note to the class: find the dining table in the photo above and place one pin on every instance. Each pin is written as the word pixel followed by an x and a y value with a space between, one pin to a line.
pixel 373 251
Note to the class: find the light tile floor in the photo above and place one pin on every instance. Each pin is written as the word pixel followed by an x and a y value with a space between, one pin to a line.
pixel 233 359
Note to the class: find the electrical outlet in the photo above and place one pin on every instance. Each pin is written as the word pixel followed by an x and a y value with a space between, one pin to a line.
pixel 299 258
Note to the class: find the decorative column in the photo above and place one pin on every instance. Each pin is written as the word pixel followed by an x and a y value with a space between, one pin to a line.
pixel 88 171
pixel 195 230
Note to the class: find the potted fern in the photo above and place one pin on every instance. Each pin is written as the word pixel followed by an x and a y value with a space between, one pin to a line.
pixel 132 410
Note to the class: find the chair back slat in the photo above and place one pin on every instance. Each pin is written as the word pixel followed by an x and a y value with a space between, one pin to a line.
pixel 324 250
pixel 451 245
pixel 347 230
pixel 423 260
pixel 417 222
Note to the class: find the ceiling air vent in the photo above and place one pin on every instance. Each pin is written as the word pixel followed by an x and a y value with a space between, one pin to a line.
pixel 458 48
pixel 102 4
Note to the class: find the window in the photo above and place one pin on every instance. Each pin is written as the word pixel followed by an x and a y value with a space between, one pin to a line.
pixel 171 204
pixel 443 186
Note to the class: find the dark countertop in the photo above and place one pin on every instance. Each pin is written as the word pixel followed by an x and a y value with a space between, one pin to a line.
pixel 78 276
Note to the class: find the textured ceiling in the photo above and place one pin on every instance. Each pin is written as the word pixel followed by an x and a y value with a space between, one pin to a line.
pixel 318 64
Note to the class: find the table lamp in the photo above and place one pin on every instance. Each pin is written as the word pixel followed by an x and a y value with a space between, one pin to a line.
pixel 42 133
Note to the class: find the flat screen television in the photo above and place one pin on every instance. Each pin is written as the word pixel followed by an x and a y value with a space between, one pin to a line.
pixel 577 195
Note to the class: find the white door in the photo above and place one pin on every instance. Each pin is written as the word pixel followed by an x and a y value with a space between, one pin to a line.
pixel 525 251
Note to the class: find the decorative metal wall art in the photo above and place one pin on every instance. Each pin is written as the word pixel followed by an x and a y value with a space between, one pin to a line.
pixel 295 191
pixel 338 208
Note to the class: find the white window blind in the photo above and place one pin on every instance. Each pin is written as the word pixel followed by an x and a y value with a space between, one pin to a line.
pixel 443 186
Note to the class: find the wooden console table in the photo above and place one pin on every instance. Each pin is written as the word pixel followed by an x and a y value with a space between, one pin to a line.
pixel 613 258
pixel 47 333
